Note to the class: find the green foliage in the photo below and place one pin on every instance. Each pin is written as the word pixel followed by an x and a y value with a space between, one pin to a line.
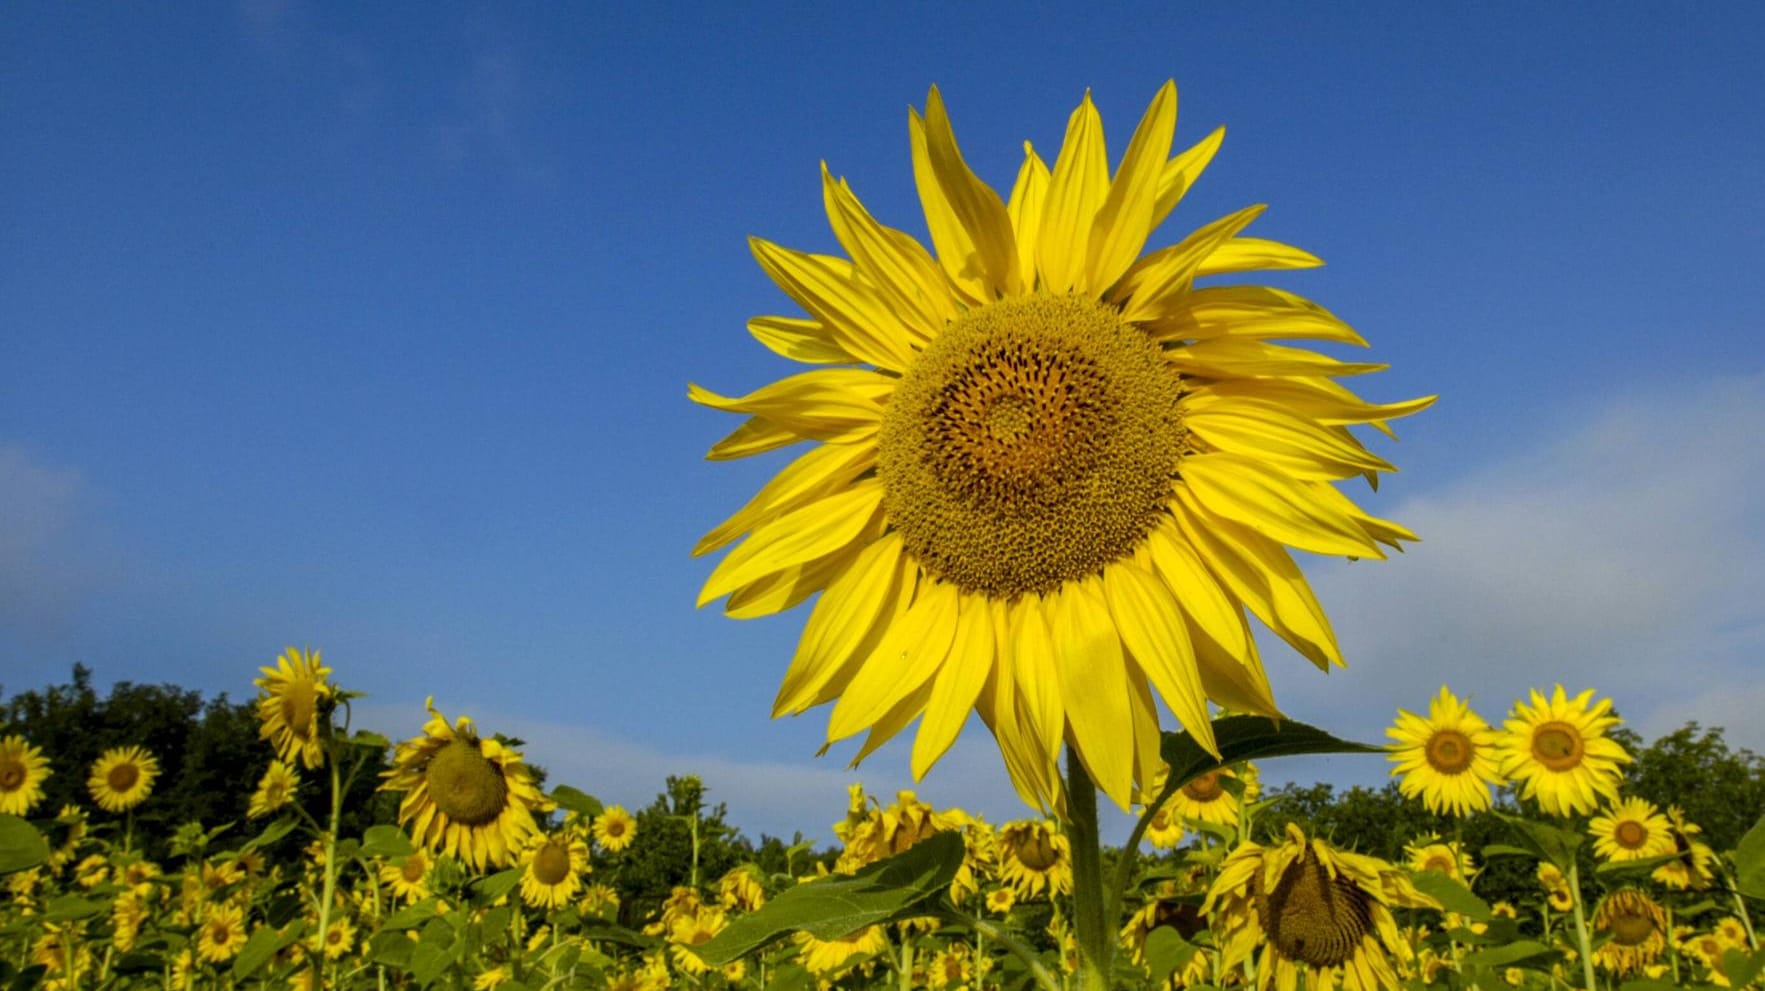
pixel 1720 789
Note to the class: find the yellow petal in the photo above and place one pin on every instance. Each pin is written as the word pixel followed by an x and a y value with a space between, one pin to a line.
pixel 950 240
pixel 855 316
pixel 1029 195
pixel 1038 678
pixel 891 260
pixel 806 341
pixel 784 589
pixel 1075 192
pixel 1253 312
pixel 910 652
pixel 818 404
pixel 1254 254
pixel 1271 434
pixel 1319 398
pixel 1148 739
pixel 997 709
pixel 1232 357
pixel 1094 686
pixel 976 206
pixel 1148 621
pixel 1181 172
pixel 1208 607
pixel 754 436
pixel 958 682
pixel 892 722
pixel 795 538
pixel 1124 220
pixel 819 472
pixel 1236 681
pixel 1273 504
pixel 1156 285
pixel 844 619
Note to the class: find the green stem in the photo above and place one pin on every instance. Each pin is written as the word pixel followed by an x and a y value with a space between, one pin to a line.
pixel 1096 939
pixel 1740 908
pixel 1583 945
pixel 330 887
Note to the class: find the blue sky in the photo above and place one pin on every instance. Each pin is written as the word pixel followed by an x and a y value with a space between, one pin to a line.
pixel 370 330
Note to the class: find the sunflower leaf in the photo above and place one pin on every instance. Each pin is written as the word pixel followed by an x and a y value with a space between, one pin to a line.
pixel 1545 842
pixel 273 832
pixel 386 841
pixel 1166 950
pixel 1749 862
pixel 1624 868
pixel 579 802
pixel 1242 738
pixel 497 885
pixel 1740 968
pixel 1507 956
pixel 1451 894
pixel 263 945
pixel 21 846
pixel 835 906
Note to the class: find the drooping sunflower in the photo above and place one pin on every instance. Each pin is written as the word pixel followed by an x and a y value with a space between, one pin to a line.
pixel 1638 926
pixel 1049 473
pixel 1558 752
pixel 1311 909
pixel 1035 859
pixel 614 829
pixel 1631 830
pixel 23 769
pixel 825 957
pixel 274 790
pixel 122 778
pixel 1556 887
pixel 468 796
pixel 1692 868
pixel 288 711
pixel 1443 857
pixel 552 869
pixel 1207 800
pixel 1448 759
pixel 222 933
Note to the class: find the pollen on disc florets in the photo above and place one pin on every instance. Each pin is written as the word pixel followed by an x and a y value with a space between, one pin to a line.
pixel 1032 443
pixel 1315 917
pixel 464 783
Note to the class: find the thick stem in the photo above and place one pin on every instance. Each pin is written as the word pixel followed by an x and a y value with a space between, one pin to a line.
pixel 1583 946
pixel 330 886
pixel 1096 937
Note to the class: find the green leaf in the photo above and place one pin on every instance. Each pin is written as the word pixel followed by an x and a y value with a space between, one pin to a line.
pixel 258 950
pixel 386 841
pixel 497 885
pixel 1740 967
pixel 1626 868
pixel 581 803
pixel 1749 862
pixel 1166 950
pixel 433 952
pixel 411 916
pixel 70 907
pixel 835 906
pixel 1544 842
pixel 1648 984
pixel 600 930
pixel 1507 956
pixel 21 846
pixel 1504 850
pixel 1451 894
pixel 1242 738
pixel 273 832
pixel 392 949
pixel 369 739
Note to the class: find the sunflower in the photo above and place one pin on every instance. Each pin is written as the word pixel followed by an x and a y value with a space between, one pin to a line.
pixel 1448 759
pixel 339 938
pixel 740 890
pixel 469 796
pixel 614 829
pixel 1556 887
pixel 274 790
pixel 222 933
pixel 1631 830
pixel 1431 854
pixel 1165 830
pixel 122 778
pixel 824 957
pixel 408 875
pixel 1692 868
pixel 1183 917
pixel 1638 928
pixel 552 869
pixel 1557 751
pixel 1205 799
pixel 1035 859
pixel 1313 910
pixel 1001 900
pixel 23 769
pixel 1051 473
pixel 693 930
pixel 294 695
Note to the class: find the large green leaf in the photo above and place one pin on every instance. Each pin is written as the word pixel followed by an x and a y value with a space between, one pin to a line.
pixel 1166 950
pixel 21 846
pixel 1623 869
pixel 1749 862
pixel 579 802
pixel 386 841
pixel 1740 967
pixel 1451 894
pixel 1507 956
pixel 1243 738
pixel 263 945
pixel 835 906
pixel 1544 842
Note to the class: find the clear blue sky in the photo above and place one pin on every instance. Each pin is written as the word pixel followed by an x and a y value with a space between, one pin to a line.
pixel 369 328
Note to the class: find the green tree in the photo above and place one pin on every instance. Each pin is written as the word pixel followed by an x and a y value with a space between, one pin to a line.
pixel 1720 789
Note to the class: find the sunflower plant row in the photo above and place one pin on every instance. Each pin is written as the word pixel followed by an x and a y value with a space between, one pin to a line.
pixel 486 880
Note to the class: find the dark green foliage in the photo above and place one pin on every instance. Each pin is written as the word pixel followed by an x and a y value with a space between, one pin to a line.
pixel 1692 767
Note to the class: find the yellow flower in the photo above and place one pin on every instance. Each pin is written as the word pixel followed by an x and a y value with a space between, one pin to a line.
pixel 1732 931
pixel 274 790
pixel 1165 830
pixel 493 978
pixel 614 829
pixel 1448 759
pixel 1556 750
pixel 1631 830
pixel 1001 900
pixel 1182 917
pixel 122 778
pixel 294 692
pixel 692 930
pixel 222 933
pixel 552 869
pixel 1311 910
pixel 340 938
pixel 1443 858
pixel 824 957
pixel 1035 859
pixel 23 769
pixel 1556 887
pixel 1692 869
pixel 599 899
pixel 471 797
pixel 740 890
pixel 1638 928
pixel 407 876
pixel 1052 472
pixel 1205 799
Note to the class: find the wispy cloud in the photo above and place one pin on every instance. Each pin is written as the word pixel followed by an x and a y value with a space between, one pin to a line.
pixel 44 573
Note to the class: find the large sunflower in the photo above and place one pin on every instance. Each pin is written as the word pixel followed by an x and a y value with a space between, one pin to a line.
pixel 1631 830
pixel 1448 759
pixel 1557 751
pixel 122 778
pixel 1638 928
pixel 294 691
pixel 1312 910
pixel 1049 473
pixel 466 795
pixel 23 768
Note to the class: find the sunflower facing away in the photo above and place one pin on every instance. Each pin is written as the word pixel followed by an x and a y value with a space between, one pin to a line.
pixel 23 768
pixel 122 778
pixel 1631 830
pixel 1557 751
pixel 274 790
pixel 470 797
pixel 1044 464
pixel 1448 759
pixel 288 711
pixel 1638 927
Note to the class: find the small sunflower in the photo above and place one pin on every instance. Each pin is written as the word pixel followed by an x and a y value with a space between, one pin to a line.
pixel 1556 887
pixel 1638 928
pixel 1732 931
pixel 1205 799
pixel 1692 869
pixel 691 931
pixel 825 957
pixel 1557 751
pixel 408 876
pixel 1448 759
pixel 222 933
pixel 552 869
pixel 469 796
pixel 1001 900
pixel 1447 858
pixel 495 977
pixel 23 769
pixel 294 694
pixel 599 899
pixel 1631 830
pixel 339 939
pixel 614 829
pixel 1035 859
pixel 740 890
pixel 1311 910
pixel 1165 829
pixel 274 790
pixel 122 778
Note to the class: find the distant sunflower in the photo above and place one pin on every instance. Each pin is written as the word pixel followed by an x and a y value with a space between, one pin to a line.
pixel 1448 759
pixel 295 691
pixel 23 769
pixel 339 939
pixel 274 790
pixel 740 891
pixel 1206 799
pixel 222 933
pixel 1311 910
pixel 122 778
pixel 1447 858
pixel 690 931
pixel 407 876
pixel 614 829
pixel 468 796
pixel 552 869
pixel 1556 887
pixel 1631 830
pixel 1001 900
pixel 1638 927
pixel 1035 859
pixel 1052 472
pixel 1165 830
pixel 1557 751
pixel 1692 868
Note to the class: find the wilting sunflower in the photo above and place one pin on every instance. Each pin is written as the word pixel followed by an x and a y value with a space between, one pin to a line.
pixel 294 691
pixel 1638 926
pixel 1448 759
pixel 1692 868
pixel 1557 751
pixel 274 790
pixel 222 933
pixel 614 829
pixel 122 778
pixel 469 796
pixel 1432 854
pixel 552 869
pixel 1631 830
pixel 1049 472
pixel 1313 910
pixel 23 769
pixel 1035 859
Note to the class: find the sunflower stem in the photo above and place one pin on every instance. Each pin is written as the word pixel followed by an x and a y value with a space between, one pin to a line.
pixel 330 887
pixel 1094 933
pixel 1581 942
pixel 987 929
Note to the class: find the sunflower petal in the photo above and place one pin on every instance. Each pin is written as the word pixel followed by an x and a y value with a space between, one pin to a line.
pixel 976 206
pixel 891 723
pixel 1253 312
pixel 1029 196
pixel 1157 284
pixel 957 684
pixel 806 341
pixel 1271 433
pixel 916 644
pixel 1148 621
pixel 1093 672
pixel 1038 677
pixel 1232 357
pixel 797 537
pixel 893 261
pixel 1124 221
pixel 1254 254
pixel 855 316
pixel 842 620
pixel 820 404
pixel 1181 172
pixel 1271 503
pixel 816 473
pixel 1075 192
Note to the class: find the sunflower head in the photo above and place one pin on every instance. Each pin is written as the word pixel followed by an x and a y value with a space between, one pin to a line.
pixel 1632 829
pixel 295 697
pixel 553 866
pixel 1557 751
pixel 122 778
pixel 614 829
pixel 1447 760
pixel 1638 928
pixel 23 769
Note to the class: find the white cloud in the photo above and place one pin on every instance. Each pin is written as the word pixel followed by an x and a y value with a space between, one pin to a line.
pixel 43 576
